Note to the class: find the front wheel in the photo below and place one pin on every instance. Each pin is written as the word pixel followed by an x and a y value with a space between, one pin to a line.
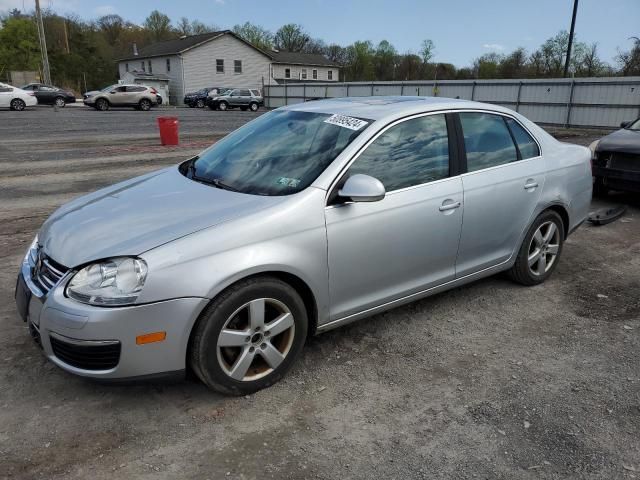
pixel 144 105
pixel 540 250
pixel 249 336
pixel 200 103
pixel 59 102
pixel 223 106
pixel 102 105
pixel 17 104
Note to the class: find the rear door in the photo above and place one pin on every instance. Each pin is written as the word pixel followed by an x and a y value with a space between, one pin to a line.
pixel 118 95
pixel 6 94
pixel 407 242
pixel 244 98
pixel 505 175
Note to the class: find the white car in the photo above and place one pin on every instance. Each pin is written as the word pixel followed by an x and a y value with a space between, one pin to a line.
pixel 16 98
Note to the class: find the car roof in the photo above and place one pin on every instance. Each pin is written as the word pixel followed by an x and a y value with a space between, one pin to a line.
pixel 379 107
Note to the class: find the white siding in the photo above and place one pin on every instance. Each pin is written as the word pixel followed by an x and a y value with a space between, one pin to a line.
pixel 200 65
pixel 278 71
pixel 159 65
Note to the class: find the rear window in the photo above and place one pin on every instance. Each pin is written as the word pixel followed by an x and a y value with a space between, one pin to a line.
pixel 255 93
pixel 527 145
pixel 487 141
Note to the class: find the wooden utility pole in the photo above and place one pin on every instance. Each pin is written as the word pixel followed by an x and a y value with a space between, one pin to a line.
pixel 66 36
pixel 43 46
pixel 573 27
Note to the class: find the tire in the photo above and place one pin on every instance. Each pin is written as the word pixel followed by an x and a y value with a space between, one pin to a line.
pixel 244 109
pixel 102 105
pixel 59 102
pixel 249 361
pixel 144 105
pixel 542 245
pixel 254 106
pixel 223 106
pixel 200 103
pixel 599 188
pixel 17 104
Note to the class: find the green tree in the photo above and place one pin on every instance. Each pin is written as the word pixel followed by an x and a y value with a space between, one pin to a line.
pixel 19 46
pixel 291 37
pixel 159 26
pixel 254 34
pixel 359 58
pixel 385 61
pixel 427 50
pixel 629 60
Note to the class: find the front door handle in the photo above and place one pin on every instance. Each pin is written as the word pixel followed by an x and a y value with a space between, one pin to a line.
pixel 531 184
pixel 449 206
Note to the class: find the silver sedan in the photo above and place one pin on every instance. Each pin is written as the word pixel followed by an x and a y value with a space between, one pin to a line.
pixel 307 218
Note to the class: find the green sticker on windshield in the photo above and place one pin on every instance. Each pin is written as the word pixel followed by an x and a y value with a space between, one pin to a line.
pixel 288 182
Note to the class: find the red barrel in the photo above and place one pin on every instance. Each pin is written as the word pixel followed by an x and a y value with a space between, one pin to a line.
pixel 168 130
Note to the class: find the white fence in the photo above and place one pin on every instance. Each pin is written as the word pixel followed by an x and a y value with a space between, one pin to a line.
pixel 580 102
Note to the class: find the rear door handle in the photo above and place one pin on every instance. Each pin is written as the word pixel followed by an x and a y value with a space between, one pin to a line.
pixel 531 184
pixel 449 206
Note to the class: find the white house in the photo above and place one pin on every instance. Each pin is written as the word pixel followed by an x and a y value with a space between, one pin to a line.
pixel 223 59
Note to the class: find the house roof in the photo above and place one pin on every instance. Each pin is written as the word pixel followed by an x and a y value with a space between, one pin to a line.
pixel 298 58
pixel 179 45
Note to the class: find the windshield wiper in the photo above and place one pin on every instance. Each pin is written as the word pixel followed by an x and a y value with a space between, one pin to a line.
pixel 216 182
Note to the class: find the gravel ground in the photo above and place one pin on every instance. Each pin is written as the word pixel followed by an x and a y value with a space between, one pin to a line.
pixel 491 380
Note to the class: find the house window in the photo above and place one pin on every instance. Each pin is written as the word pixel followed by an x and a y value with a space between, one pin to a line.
pixel 219 65
pixel 330 75
pixel 168 65
pixel 237 66
pixel 150 67
pixel 314 74
pixel 126 67
pixel 142 66
pixel 287 73
pixel 304 73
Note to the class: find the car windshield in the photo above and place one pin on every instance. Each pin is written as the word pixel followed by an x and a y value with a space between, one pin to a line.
pixel 109 88
pixel 634 125
pixel 279 153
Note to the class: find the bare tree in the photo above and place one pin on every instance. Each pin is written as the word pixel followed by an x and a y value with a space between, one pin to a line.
pixel 291 37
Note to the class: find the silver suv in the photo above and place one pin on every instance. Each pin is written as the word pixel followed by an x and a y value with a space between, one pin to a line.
pixel 307 218
pixel 242 98
pixel 140 97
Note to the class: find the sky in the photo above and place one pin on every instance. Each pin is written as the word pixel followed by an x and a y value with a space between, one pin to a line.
pixel 461 29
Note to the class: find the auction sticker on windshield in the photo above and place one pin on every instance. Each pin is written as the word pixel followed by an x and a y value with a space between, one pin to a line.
pixel 346 122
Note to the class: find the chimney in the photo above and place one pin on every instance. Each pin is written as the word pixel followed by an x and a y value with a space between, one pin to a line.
pixel 135 49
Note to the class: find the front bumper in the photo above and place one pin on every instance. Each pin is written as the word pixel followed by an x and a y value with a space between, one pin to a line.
pixel 618 179
pixel 100 342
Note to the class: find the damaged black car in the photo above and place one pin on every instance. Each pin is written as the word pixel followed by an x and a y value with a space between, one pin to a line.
pixel 616 160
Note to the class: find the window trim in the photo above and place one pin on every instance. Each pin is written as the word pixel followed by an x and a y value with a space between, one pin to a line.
pixel 303 74
pixel 329 74
pixel 464 168
pixel 235 64
pixel 314 74
pixel 454 157
pixel 219 60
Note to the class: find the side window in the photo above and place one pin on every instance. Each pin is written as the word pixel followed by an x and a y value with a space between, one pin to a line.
pixel 168 65
pixel 314 74
pixel 120 89
pixel 142 65
pixel 219 65
pixel 4 89
pixel 304 73
pixel 413 152
pixel 527 145
pixel 487 141
pixel 150 67
pixel 330 75
pixel 287 73
pixel 255 93
pixel 126 67
pixel 237 66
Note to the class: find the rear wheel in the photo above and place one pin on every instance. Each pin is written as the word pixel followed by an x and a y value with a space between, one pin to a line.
pixel 540 250
pixel 59 102
pixel 254 106
pixel 102 105
pixel 200 103
pixel 249 336
pixel 17 104
pixel 144 105
pixel 223 106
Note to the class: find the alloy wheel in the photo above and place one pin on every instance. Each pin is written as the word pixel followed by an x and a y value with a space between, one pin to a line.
pixel 200 104
pixel 223 106
pixel 17 104
pixel 59 102
pixel 255 339
pixel 544 248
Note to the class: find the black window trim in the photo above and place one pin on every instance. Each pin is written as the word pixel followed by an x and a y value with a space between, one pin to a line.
pixel 463 151
pixel 454 158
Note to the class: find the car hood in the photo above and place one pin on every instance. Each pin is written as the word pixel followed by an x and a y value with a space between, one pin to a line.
pixel 137 215
pixel 624 140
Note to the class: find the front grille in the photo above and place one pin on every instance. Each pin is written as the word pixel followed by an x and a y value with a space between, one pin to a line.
pixel 624 161
pixel 46 272
pixel 86 355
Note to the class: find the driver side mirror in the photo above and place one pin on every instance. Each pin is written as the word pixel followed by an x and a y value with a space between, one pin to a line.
pixel 112 92
pixel 625 124
pixel 362 188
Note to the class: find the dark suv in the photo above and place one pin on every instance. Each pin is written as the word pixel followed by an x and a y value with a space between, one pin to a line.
pixel 242 98
pixel 199 98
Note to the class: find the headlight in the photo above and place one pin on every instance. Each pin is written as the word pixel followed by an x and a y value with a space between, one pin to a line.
pixel 32 253
pixel 117 281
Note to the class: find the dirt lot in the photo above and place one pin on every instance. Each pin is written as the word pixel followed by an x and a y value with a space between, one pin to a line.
pixel 491 380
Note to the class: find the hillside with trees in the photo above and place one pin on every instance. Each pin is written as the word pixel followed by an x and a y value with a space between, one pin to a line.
pixel 83 53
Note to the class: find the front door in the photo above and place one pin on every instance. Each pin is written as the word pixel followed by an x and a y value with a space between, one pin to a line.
pixel 501 189
pixel 408 241
pixel 6 94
